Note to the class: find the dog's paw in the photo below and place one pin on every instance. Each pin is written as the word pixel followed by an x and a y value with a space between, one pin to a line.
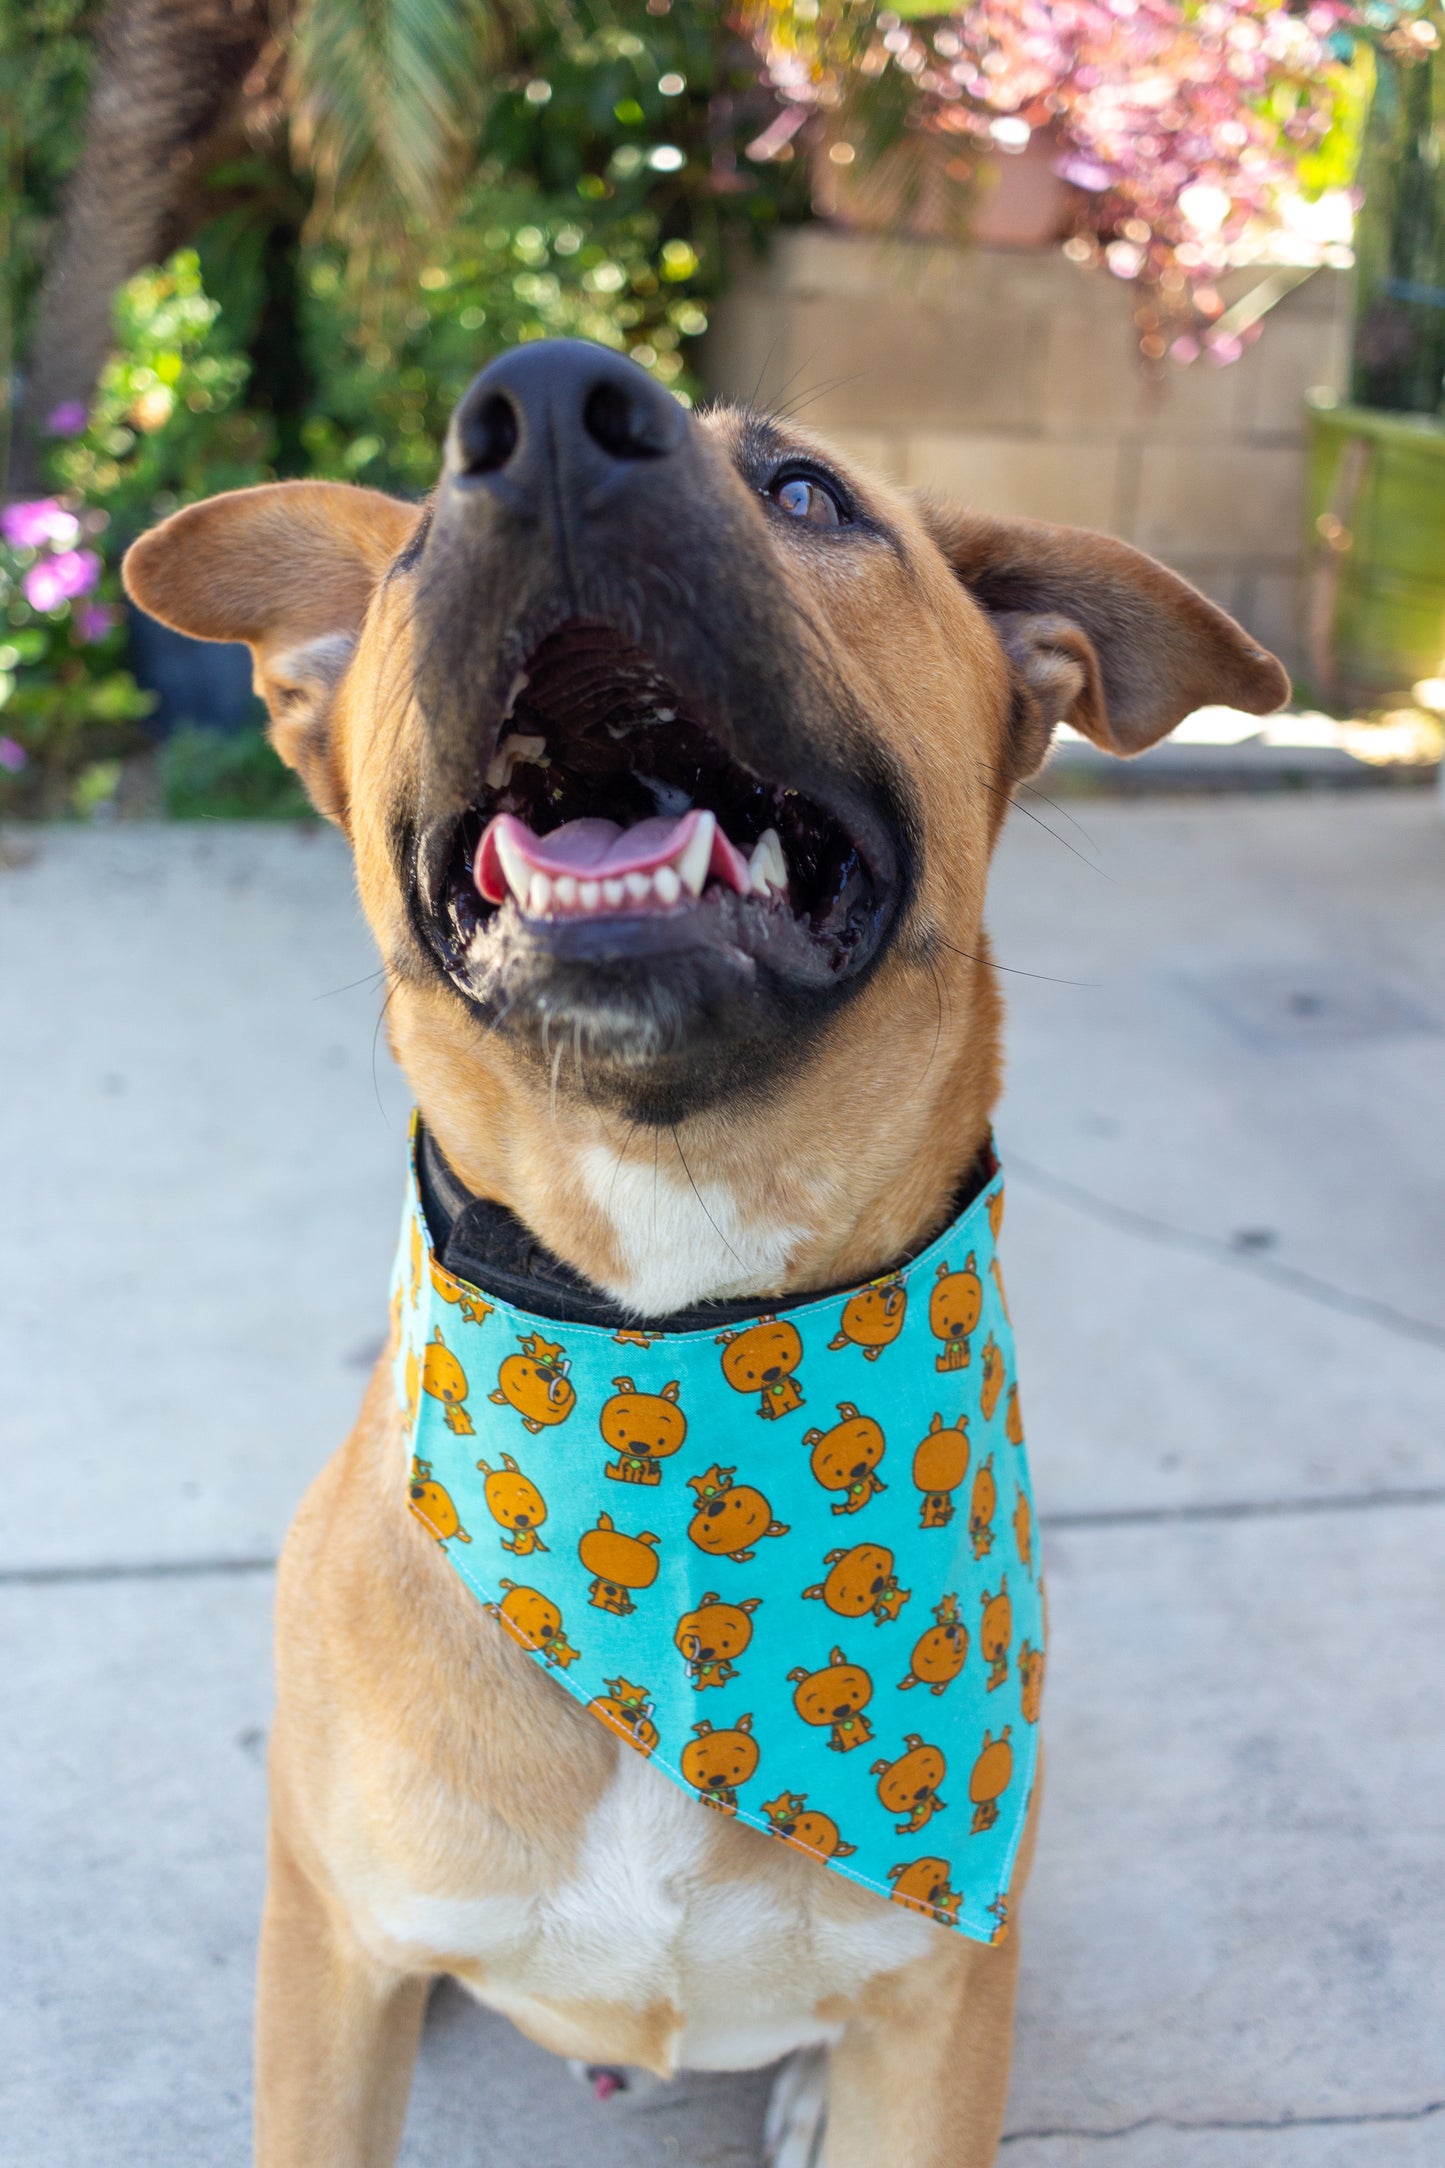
pixel 798 2112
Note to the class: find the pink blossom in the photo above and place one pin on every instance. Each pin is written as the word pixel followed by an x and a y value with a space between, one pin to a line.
pixel 12 756
pixel 93 620
pixel 38 521
pixel 61 578
pixel 66 420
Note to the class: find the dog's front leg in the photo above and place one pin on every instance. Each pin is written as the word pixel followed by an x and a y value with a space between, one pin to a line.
pixel 336 2034
pixel 921 2079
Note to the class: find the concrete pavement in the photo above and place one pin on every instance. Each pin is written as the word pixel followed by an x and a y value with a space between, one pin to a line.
pixel 1227 1269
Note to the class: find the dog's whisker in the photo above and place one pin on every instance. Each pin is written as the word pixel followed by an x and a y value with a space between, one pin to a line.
pixel 677 1140
pixel 1028 813
pixel 1013 970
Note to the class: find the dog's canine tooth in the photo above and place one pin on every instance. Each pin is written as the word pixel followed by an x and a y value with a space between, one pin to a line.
pixel 517 747
pixel 588 894
pixel 539 895
pixel 667 884
pixel 515 870
pixel 564 888
pixel 639 885
pixel 767 868
pixel 692 864
pixel 614 890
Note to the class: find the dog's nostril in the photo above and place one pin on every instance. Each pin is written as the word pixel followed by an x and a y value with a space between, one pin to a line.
pixel 487 434
pixel 628 426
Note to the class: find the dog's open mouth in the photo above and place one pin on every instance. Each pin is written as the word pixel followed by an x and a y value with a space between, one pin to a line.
pixel 614 826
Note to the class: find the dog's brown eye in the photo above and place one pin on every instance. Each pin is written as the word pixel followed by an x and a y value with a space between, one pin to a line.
pixel 801 497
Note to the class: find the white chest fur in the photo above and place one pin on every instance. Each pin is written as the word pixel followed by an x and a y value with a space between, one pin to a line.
pixel 644 1922
pixel 679 1243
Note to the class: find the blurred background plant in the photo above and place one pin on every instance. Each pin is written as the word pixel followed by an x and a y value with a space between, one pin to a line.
pixel 257 238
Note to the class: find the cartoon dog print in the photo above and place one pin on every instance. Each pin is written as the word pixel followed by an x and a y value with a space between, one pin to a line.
pixel 954 1308
pixel 996 1632
pixel 861 1580
pixel 411 1373
pixel 982 1506
pixel 715 1763
pixel 473 1307
pixel 416 1254
pixel 939 1466
pixel 995 1212
pixel 535 1621
pixel 1031 1681
pixel 712 1635
pixel 999 1909
pixel 444 1378
pixel 1013 1422
pixel 836 1696
pixel 873 1318
pixel 846 1457
pixel 635 1336
pixel 628 1710
pixel 989 1779
pixel 1024 1532
pixel 923 1885
pixel 762 1360
pixel 792 1818
pixel 618 1564
pixel 536 1383
pixel 730 1517
pixel 997 1270
pixel 993 1374
pixel 433 1506
pixel 909 1786
pixel 514 1502
pixel 642 1429
pixel 939 1654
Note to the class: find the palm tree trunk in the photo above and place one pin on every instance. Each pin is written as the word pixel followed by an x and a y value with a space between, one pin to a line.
pixel 172 78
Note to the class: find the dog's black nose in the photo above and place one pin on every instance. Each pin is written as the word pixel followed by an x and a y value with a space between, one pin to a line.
pixel 560 414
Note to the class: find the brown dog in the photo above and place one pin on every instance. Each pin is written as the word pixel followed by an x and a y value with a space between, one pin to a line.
pixel 743 1087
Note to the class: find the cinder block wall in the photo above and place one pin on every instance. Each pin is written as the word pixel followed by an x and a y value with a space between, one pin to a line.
pixel 1011 380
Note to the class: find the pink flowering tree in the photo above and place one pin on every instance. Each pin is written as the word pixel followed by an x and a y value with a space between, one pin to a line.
pixel 1193 136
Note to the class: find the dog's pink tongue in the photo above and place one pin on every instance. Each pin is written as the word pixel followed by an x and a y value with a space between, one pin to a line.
pixel 597 850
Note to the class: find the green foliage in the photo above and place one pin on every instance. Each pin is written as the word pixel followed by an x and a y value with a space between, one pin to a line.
pixel 227 775
pixel 1399 345
pixel 509 268
pixel 165 428
pixel 45 60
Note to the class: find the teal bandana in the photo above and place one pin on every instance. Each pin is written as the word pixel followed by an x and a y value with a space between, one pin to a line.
pixel 793 1562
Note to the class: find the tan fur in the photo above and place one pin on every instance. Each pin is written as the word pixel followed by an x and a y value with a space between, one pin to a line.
pixel 427 1779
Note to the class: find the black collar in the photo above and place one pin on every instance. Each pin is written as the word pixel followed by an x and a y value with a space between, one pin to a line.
pixel 484 1244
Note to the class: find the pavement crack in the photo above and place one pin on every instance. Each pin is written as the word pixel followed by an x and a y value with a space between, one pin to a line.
pixel 1226 2122
pixel 1305 1284
pixel 154 1569
pixel 1243 1509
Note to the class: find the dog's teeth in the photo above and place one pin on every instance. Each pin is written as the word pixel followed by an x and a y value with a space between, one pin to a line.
pixel 614 890
pixel 564 888
pixel 588 894
pixel 767 868
pixel 516 872
pixel 639 885
pixel 667 884
pixel 517 747
pixel 692 865
pixel 539 895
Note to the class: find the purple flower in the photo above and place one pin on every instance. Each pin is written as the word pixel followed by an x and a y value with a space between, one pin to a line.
pixel 60 579
pixel 93 620
pixel 12 756
pixel 66 420
pixel 29 526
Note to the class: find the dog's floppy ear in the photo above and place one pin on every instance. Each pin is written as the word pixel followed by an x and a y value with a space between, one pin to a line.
pixel 289 568
pixel 1098 635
